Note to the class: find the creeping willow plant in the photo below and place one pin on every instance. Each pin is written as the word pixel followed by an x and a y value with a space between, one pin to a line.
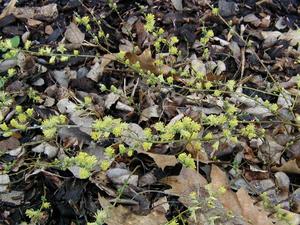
pixel 185 130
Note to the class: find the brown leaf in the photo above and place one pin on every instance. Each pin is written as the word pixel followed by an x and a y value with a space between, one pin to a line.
pixel 147 62
pixel 229 199
pixel 270 150
pixel 27 64
pixel 162 160
pixel 251 212
pixel 140 32
pixel 255 174
pixel 48 29
pixel 200 155
pixel 122 215
pixel 291 166
pixel 186 182
pixel 73 34
pixel 145 59
pixel 248 153
pixel 9 144
pixel 162 205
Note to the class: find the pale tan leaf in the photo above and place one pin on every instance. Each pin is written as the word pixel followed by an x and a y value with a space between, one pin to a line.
pixel 249 211
pixel 162 160
pixel 97 69
pixel 73 34
pixel 292 35
pixel 33 22
pixel 121 215
pixel 228 199
pixel 187 181
pixel 8 9
pixel 111 99
pixel 162 205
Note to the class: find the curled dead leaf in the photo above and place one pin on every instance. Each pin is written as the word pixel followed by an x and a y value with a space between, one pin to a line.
pixel 291 166
pixel 147 63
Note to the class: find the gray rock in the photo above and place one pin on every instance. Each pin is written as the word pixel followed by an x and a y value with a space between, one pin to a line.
pixel 82 72
pixel 295 200
pixel 39 82
pixel 282 181
pixel 47 149
pixel 66 106
pixel 227 8
pixel 7 64
pixel 61 77
pixel 4 179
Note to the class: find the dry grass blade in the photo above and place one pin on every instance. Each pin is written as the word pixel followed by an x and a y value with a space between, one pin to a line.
pixel 8 9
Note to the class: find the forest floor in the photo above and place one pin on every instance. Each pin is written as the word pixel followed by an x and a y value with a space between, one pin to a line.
pixel 150 112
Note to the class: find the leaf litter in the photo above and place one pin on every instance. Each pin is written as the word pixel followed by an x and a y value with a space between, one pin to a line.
pixel 230 181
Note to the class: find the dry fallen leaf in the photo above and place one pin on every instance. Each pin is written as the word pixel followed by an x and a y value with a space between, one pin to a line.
pixel 33 22
pixel 270 150
pixel 8 9
pixel 150 112
pixel 82 121
pixel 200 155
pixel 133 133
pixel 229 199
pixel 186 182
pixel 73 34
pixel 98 68
pixel 111 99
pixel 12 197
pixel 121 215
pixel 288 167
pixel 9 144
pixel 251 212
pixel 4 182
pixel 47 149
pixel 162 160
pixel 147 62
pixel 292 35
pixel 162 205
